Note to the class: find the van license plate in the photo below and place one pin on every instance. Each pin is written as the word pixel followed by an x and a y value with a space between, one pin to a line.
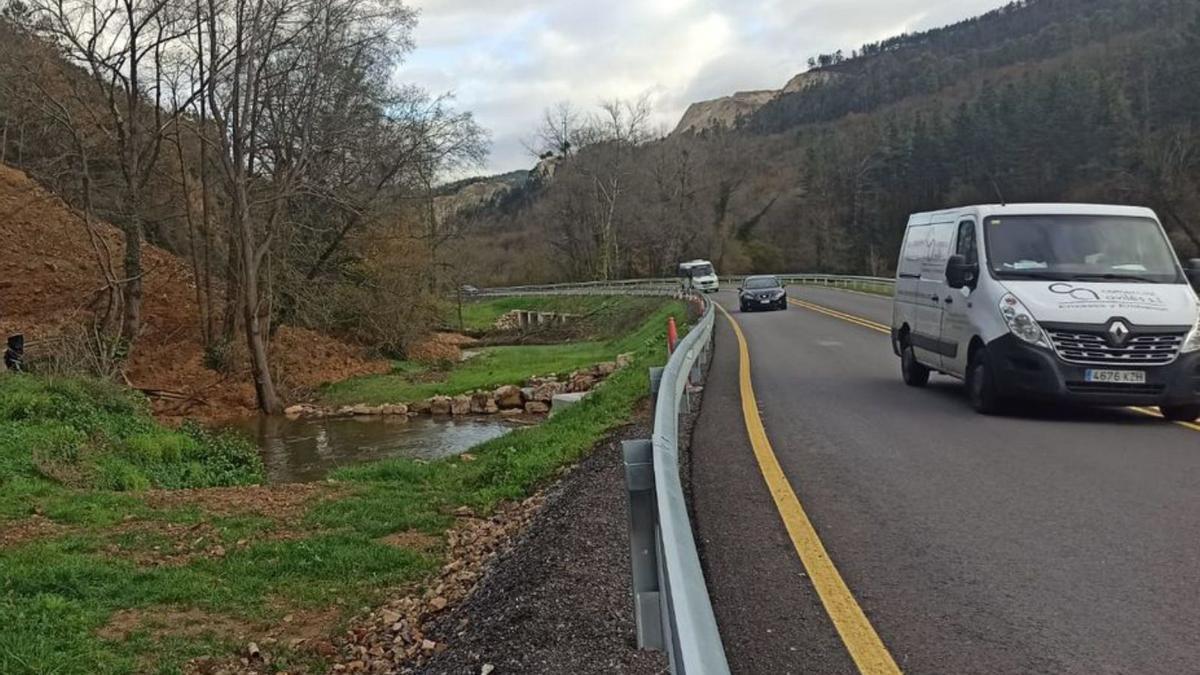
pixel 1116 376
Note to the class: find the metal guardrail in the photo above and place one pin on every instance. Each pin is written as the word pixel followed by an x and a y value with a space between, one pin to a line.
pixel 671 599
pixel 671 605
pixel 879 285
pixel 669 285
pixel 673 610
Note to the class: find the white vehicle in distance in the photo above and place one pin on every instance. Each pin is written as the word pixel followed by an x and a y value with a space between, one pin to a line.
pixel 699 275
pixel 1074 302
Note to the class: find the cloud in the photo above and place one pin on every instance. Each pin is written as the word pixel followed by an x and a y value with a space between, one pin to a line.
pixel 507 60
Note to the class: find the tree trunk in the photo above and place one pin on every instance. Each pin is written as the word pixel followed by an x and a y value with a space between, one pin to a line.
pixel 251 262
pixel 132 323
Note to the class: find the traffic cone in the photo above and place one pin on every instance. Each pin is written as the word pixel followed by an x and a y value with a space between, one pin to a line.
pixel 672 335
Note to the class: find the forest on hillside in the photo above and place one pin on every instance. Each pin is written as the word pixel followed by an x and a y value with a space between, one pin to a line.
pixel 267 142
pixel 1041 100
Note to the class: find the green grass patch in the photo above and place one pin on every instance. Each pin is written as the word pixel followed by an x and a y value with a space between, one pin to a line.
pixel 513 364
pixel 57 594
pixel 92 434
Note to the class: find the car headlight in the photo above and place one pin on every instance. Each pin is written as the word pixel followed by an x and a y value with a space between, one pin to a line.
pixel 1192 343
pixel 1021 322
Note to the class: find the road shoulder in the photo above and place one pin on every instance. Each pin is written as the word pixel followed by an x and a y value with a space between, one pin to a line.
pixel 770 617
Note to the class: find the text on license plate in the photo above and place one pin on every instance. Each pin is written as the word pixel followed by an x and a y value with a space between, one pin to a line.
pixel 1117 376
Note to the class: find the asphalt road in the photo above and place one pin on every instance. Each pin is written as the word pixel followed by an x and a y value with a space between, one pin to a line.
pixel 1049 541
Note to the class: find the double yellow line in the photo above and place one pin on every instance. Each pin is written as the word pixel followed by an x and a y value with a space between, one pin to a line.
pixel 866 648
pixel 858 320
pixel 881 328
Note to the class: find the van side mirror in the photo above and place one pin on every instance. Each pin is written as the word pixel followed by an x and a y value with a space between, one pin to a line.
pixel 1192 271
pixel 961 274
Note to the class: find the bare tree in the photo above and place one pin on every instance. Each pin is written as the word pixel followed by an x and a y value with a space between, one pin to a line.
pixel 281 83
pixel 122 45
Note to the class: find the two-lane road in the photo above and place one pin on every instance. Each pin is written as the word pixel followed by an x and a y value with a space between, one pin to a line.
pixel 1055 541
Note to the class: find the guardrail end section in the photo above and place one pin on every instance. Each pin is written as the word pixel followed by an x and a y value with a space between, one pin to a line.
pixel 643 547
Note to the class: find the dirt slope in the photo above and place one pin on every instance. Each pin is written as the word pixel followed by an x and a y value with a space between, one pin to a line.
pixel 49 278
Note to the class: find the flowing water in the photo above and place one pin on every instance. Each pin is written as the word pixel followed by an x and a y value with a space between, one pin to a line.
pixel 309 449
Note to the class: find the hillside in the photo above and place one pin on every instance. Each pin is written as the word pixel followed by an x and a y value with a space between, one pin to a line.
pixel 49 282
pixel 1040 100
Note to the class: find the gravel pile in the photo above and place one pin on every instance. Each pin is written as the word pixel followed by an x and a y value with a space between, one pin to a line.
pixel 558 600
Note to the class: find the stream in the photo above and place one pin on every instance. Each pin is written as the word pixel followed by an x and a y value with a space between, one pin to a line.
pixel 305 450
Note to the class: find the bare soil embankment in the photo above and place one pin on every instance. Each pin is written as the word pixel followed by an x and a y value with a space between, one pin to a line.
pixel 50 281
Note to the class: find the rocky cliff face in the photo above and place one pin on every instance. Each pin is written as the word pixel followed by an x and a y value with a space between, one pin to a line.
pixel 478 193
pixel 724 112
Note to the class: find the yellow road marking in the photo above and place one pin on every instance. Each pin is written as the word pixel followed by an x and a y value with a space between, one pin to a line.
pixel 867 323
pixel 860 638
pixel 1150 412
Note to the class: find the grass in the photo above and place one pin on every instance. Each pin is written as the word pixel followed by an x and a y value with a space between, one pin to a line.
pixel 611 319
pixel 481 315
pixel 57 592
pixel 88 433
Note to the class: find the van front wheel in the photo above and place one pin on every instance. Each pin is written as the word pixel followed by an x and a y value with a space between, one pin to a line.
pixel 915 374
pixel 1180 413
pixel 981 385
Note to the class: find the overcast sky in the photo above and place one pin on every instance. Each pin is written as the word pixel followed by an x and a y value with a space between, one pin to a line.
pixel 506 60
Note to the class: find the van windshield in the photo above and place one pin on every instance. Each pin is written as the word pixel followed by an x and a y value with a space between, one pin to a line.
pixel 1080 248
pixel 702 271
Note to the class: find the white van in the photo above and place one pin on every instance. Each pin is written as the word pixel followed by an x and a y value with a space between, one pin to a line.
pixel 1056 301
pixel 699 275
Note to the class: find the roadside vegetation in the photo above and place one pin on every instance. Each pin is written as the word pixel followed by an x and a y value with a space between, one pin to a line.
pixel 100 575
pixel 603 328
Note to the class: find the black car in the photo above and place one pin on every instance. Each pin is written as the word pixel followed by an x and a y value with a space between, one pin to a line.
pixel 763 292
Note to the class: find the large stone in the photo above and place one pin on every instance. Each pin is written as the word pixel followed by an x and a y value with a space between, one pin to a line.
pixel 393 409
pixel 419 407
pixel 527 393
pixel 508 396
pixel 625 360
pixel 563 401
pixel 460 405
pixel 546 391
pixel 480 402
pixel 536 408
pixel 604 369
pixel 439 405
pixel 296 410
pixel 581 382
pixel 512 412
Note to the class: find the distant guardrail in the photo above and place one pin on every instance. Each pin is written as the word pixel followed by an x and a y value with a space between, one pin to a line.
pixel 877 285
pixel 670 285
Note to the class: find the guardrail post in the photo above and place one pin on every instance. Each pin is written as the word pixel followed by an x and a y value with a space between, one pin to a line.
pixel 643 544
pixel 656 374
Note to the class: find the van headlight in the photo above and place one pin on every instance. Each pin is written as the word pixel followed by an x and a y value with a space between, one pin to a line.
pixel 1021 323
pixel 1192 343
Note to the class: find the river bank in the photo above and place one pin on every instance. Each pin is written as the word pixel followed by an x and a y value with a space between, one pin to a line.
pixel 111 580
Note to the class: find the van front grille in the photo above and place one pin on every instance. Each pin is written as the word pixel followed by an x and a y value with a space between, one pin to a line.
pixel 1090 347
